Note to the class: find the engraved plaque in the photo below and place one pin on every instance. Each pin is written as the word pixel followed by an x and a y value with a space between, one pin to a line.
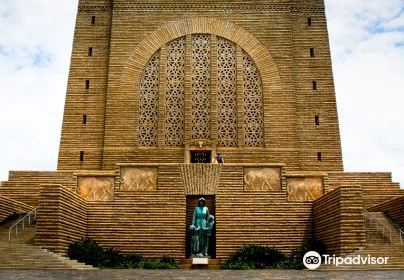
pixel 304 189
pixel 96 188
pixel 138 179
pixel 262 179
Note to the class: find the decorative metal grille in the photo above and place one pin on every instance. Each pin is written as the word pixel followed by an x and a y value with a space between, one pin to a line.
pixel 200 93
pixel 174 119
pixel 200 86
pixel 148 102
pixel 227 106
pixel 253 114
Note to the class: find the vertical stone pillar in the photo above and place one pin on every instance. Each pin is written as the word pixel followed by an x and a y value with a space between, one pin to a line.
pixel 213 89
pixel 240 98
pixel 162 97
pixel 188 89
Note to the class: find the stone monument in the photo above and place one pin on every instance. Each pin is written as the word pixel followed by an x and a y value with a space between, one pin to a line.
pixel 156 90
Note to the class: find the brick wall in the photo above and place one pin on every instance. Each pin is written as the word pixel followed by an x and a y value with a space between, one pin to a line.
pixel 80 101
pixel 24 186
pixel 338 219
pixel 257 217
pixel 61 218
pixel 152 223
pixel 377 187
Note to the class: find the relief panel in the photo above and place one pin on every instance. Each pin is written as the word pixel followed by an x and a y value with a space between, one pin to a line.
pixel 138 179
pixel 96 188
pixel 262 179
pixel 304 189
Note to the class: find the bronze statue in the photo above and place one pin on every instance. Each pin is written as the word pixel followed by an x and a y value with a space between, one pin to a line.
pixel 201 227
pixel 195 240
pixel 209 227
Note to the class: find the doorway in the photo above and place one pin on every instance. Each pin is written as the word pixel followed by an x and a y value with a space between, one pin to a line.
pixel 201 156
pixel 192 201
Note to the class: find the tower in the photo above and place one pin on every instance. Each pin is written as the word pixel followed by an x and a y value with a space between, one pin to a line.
pixel 152 82
pixel 82 140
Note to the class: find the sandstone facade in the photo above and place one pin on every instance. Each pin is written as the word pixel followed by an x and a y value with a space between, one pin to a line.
pixel 157 89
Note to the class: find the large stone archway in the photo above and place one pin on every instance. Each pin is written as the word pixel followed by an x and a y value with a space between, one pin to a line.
pixel 172 30
pixel 130 83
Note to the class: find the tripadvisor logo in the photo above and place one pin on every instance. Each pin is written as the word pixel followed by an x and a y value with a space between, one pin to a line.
pixel 312 260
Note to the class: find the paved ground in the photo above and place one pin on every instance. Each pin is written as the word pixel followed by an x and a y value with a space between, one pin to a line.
pixel 196 274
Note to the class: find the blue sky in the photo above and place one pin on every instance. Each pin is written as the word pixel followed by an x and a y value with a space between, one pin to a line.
pixel 367 45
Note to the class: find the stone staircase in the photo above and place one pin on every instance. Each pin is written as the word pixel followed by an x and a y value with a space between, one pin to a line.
pixel 10 207
pixel 376 232
pixel 20 253
pixel 378 244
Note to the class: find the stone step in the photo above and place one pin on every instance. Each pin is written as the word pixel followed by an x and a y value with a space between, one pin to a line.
pixel 20 254
pixel 376 246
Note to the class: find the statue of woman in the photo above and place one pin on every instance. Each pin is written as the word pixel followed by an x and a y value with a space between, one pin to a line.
pixel 199 220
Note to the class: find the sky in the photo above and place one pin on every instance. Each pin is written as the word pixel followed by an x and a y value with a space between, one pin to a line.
pixel 367 47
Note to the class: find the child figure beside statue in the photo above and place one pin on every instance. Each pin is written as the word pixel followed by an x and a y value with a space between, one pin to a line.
pixel 201 228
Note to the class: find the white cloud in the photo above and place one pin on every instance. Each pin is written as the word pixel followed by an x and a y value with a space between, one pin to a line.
pixel 368 56
pixel 367 42
pixel 35 50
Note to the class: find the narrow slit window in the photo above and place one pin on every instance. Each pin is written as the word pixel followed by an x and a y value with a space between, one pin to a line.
pixel 90 51
pixel 93 20
pixel 87 84
pixel 317 120
pixel 309 21
pixel 319 156
pixel 314 85
pixel 84 119
pixel 311 52
pixel 81 156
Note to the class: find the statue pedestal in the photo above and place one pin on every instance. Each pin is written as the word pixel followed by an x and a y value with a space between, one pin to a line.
pixel 200 261
pixel 192 263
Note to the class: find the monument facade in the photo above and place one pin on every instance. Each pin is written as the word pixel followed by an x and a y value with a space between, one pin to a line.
pixel 157 89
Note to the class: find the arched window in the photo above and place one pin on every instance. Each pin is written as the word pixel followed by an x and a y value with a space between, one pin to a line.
pixel 218 59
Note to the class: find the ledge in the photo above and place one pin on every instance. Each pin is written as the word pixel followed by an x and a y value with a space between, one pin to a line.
pixel 96 173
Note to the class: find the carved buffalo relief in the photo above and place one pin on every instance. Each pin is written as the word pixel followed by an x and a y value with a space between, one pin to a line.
pixel 96 188
pixel 138 179
pixel 304 189
pixel 262 179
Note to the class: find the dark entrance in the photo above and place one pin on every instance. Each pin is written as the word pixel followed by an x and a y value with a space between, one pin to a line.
pixel 201 156
pixel 192 201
